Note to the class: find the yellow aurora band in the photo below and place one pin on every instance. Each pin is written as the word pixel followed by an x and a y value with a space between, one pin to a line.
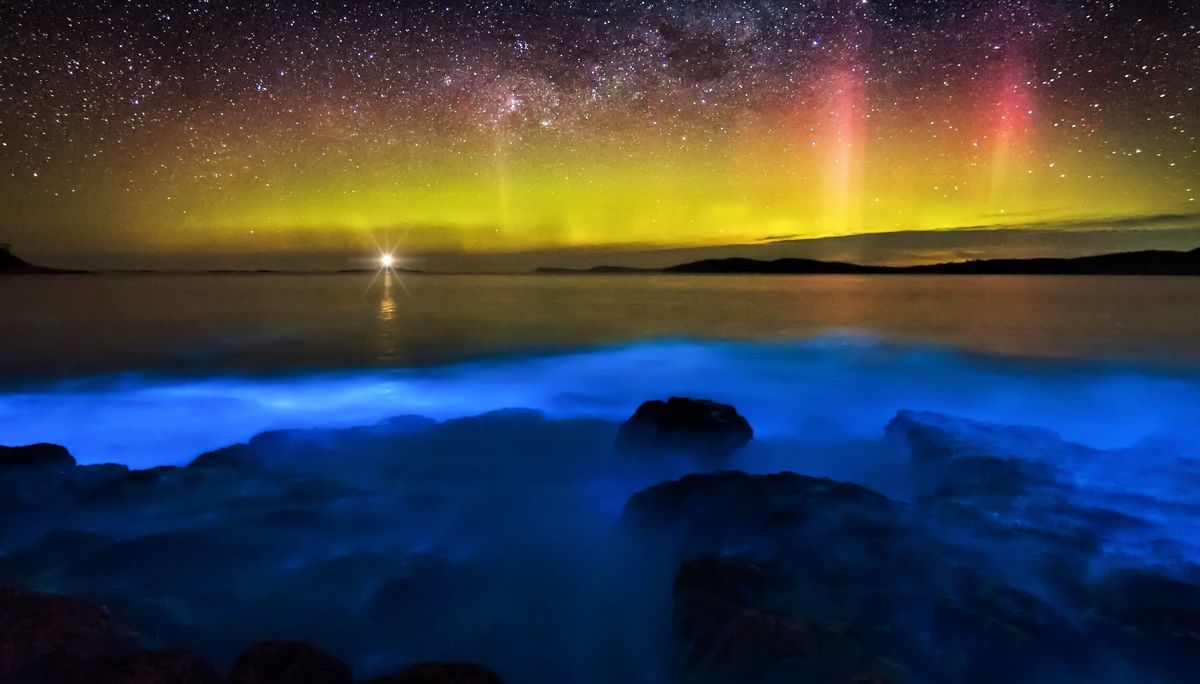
pixel 827 171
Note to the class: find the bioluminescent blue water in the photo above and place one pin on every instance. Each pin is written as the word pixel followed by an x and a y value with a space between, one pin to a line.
pixel 474 533
pixel 823 388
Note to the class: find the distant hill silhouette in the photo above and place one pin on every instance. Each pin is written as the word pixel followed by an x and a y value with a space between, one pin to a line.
pixel 786 266
pixel 1123 263
pixel 12 264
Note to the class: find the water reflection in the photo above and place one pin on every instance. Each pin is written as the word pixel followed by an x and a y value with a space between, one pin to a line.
pixel 387 334
pixel 227 323
pixel 387 302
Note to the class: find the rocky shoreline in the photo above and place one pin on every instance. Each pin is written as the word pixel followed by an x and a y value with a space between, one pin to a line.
pixel 409 546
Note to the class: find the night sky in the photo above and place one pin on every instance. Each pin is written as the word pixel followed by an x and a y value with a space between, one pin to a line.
pixel 183 127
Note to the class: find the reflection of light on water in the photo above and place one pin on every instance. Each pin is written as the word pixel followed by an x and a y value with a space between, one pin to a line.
pixel 387 339
pixel 387 302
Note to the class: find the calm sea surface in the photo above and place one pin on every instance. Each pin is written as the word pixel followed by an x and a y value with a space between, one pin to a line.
pixel 63 326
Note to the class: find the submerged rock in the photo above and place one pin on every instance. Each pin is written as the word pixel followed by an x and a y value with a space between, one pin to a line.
pixel 704 429
pixel 288 662
pixel 441 673
pixel 933 438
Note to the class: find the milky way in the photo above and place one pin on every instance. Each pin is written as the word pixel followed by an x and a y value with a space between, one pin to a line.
pixel 493 125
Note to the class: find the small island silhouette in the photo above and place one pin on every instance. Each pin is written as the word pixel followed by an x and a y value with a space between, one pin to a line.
pixel 11 264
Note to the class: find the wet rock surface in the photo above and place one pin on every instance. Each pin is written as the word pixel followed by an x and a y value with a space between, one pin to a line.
pixel 527 544
pixel 728 636
pixel 1000 571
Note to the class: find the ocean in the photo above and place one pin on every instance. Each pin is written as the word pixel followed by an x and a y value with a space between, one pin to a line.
pixel 424 468
pixel 153 369
pixel 73 326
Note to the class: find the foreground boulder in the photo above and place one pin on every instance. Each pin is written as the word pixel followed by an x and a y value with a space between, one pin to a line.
pixel 441 673
pixel 820 564
pixel 153 667
pixel 47 638
pixel 728 637
pixel 706 430
pixel 813 580
pixel 288 662
pixel 1159 614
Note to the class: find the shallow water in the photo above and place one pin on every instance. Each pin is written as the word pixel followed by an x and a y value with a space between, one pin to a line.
pixel 68 326
pixel 832 387
pixel 155 369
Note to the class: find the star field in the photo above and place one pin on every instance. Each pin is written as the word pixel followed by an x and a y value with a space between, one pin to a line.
pixel 487 125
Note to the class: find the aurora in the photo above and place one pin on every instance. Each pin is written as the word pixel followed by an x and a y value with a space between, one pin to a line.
pixel 488 128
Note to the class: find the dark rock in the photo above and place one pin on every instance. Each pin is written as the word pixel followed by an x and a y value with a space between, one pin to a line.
pixel 954 458
pixel 441 673
pixel 999 633
pixel 153 667
pixel 49 638
pixel 817 560
pixel 93 476
pixel 49 456
pixel 51 552
pixel 739 583
pixel 932 438
pixel 150 476
pixel 288 662
pixel 704 429
pixel 702 514
pixel 727 637
pixel 169 486
pixel 832 582
pixel 1160 612
pixel 998 482
pixel 234 457
pixel 428 584
pixel 194 568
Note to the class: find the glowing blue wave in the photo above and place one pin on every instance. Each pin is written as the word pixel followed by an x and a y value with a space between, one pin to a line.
pixel 822 388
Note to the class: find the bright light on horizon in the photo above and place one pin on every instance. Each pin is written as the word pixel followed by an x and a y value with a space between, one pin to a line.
pixel 387 260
